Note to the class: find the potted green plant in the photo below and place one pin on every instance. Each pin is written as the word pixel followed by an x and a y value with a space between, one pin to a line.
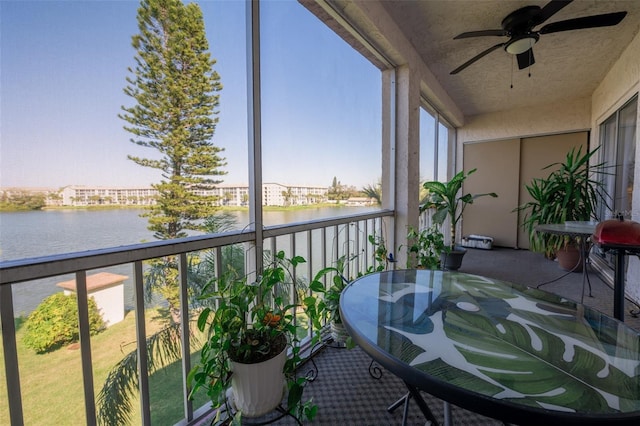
pixel 572 192
pixel 426 246
pixel 244 364
pixel 443 198
pixel 327 307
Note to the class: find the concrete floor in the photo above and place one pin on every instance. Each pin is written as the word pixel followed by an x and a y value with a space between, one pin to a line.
pixel 532 269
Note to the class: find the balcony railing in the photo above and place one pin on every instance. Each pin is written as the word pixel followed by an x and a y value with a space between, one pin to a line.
pixel 320 242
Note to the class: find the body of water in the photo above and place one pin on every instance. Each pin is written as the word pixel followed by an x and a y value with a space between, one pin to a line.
pixel 41 233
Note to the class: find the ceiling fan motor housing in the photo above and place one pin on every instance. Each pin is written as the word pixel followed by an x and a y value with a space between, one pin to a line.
pixel 522 20
pixel 519 24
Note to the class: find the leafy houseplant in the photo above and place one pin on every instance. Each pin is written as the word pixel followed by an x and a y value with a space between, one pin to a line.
pixel 443 198
pixel 427 246
pixel 327 307
pixel 570 193
pixel 250 323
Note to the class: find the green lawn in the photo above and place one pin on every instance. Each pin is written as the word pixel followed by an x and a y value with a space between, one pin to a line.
pixel 52 387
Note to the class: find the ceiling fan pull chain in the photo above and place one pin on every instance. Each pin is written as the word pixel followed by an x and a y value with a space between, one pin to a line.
pixel 512 71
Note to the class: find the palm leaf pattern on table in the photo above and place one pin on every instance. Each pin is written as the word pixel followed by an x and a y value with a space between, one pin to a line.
pixel 511 346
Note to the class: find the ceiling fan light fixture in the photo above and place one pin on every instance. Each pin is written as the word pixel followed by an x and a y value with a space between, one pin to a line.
pixel 521 44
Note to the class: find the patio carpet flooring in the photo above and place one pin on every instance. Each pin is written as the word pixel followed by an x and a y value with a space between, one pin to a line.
pixel 347 395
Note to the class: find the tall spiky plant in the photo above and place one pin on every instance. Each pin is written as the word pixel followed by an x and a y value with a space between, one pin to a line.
pixel 572 192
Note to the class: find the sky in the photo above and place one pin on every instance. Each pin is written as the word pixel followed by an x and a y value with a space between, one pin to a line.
pixel 63 67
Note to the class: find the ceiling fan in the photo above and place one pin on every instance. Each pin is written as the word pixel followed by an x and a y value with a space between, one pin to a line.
pixel 519 24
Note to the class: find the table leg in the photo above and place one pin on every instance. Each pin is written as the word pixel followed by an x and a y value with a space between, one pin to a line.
pixel 585 274
pixel 618 286
pixel 448 420
pixel 405 410
pixel 415 393
pixel 399 402
pixel 404 401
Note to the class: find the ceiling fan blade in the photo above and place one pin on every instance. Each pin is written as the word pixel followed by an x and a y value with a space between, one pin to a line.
pixel 525 59
pixel 482 33
pixel 595 21
pixel 551 9
pixel 475 58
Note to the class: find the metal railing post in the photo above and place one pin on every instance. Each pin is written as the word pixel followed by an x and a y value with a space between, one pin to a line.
pixel 183 269
pixel 141 335
pixel 85 347
pixel 10 356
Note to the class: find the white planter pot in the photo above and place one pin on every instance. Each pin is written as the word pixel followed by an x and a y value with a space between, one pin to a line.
pixel 258 389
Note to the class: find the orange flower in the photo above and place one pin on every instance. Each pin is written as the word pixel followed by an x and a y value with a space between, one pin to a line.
pixel 271 319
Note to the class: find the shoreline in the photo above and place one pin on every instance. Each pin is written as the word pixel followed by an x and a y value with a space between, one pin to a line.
pixel 221 208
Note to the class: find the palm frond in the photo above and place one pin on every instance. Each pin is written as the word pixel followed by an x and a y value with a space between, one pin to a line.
pixel 374 192
pixel 121 385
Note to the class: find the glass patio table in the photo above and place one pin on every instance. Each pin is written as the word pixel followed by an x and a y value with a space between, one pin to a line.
pixel 516 354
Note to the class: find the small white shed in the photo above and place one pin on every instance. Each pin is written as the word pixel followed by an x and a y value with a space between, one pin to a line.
pixel 107 290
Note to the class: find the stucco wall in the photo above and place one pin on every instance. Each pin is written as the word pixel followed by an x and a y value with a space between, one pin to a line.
pixel 569 116
pixel 619 86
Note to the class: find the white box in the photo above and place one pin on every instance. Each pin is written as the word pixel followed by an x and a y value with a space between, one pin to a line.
pixel 477 241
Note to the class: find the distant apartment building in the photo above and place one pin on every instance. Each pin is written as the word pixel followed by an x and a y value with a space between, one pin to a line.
pixel 228 195
pixel 103 195
pixel 273 194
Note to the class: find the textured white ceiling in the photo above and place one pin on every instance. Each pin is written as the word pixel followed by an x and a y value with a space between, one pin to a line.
pixel 569 64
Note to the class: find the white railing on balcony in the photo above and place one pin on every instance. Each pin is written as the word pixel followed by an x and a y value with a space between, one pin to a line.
pixel 320 242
